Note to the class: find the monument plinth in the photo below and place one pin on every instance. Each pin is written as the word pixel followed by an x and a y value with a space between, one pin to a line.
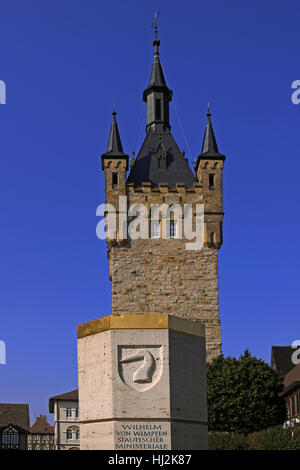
pixel 142 383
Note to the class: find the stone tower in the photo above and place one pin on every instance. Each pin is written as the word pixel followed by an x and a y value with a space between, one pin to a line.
pixel 158 275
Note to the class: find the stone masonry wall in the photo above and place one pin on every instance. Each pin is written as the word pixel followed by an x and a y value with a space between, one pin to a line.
pixel 161 276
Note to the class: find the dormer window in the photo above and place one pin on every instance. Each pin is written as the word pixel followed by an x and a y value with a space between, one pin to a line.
pixel 161 158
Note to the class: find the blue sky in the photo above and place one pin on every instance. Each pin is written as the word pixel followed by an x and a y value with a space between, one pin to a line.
pixel 64 63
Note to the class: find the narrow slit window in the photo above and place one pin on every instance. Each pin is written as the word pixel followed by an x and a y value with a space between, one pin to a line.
pixel 114 180
pixel 211 180
pixel 172 229
pixel 158 110
pixel 155 229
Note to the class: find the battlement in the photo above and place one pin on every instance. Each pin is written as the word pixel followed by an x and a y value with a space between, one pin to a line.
pixel 163 188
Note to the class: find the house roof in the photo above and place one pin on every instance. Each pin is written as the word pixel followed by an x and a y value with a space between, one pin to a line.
pixel 281 359
pixel 292 377
pixel 41 426
pixel 16 414
pixel 72 396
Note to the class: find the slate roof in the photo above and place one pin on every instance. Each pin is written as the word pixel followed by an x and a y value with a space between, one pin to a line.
pixel 209 144
pixel 157 79
pixel 16 414
pixel 114 147
pixel 41 426
pixel 72 396
pixel 114 144
pixel 145 168
pixel 281 359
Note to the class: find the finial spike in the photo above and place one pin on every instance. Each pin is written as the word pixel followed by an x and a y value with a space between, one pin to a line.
pixel 154 24
pixel 156 41
pixel 114 109
pixel 208 110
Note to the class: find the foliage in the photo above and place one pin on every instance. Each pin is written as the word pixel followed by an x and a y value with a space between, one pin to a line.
pixel 273 438
pixel 243 395
pixel 226 441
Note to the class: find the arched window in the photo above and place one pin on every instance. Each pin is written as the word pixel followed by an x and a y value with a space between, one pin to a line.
pixel 155 229
pixel 172 228
pixel 73 433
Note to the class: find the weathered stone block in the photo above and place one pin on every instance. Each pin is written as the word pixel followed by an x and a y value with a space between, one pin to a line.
pixel 142 383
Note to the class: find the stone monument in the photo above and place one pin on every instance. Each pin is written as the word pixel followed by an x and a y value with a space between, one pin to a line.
pixel 142 383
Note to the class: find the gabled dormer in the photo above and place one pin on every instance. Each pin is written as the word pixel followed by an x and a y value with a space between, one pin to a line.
pixel 160 157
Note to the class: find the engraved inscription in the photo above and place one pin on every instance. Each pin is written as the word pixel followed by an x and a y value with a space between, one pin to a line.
pixel 141 436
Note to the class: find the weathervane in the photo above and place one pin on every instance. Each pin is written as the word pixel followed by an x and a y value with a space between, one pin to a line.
pixel 154 24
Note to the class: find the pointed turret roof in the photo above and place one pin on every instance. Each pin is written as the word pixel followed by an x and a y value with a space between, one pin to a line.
pixel 209 144
pixel 114 144
pixel 114 147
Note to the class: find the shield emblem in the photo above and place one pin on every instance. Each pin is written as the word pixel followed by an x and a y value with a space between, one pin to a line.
pixel 140 367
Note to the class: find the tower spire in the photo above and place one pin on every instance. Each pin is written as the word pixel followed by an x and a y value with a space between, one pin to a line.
pixel 157 95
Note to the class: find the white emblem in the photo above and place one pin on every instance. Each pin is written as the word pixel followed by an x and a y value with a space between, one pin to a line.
pixel 140 367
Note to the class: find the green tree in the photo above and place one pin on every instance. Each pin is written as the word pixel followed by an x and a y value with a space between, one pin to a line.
pixel 243 395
